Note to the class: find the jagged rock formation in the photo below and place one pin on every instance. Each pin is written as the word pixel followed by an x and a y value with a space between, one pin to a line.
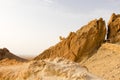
pixel 79 44
pixel 5 53
pixel 114 28
pixel 106 62
pixel 57 69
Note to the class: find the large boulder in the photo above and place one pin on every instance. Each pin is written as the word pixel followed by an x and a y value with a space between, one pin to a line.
pixel 78 45
pixel 114 28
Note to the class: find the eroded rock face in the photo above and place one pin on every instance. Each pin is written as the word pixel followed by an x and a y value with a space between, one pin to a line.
pixel 114 28
pixel 80 44
pixel 5 53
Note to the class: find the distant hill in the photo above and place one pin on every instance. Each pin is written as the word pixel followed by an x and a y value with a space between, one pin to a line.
pixel 5 53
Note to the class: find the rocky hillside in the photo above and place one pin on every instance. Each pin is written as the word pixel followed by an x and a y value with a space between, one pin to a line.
pixel 80 44
pixel 5 53
pixel 87 46
pixel 84 46
pixel 106 62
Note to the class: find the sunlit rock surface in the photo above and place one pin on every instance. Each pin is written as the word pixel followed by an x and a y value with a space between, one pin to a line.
pixel 80 44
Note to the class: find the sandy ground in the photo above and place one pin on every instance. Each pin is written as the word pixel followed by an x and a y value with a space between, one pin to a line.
pixel 57 69
pixel 106 62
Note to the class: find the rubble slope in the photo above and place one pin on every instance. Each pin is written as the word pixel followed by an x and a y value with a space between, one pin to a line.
pixel 106 62
pixel 57 69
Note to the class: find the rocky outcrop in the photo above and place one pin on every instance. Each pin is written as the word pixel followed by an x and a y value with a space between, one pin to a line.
pixel 114 28
pixel 57 69
pixel 80 44
pixel 5 53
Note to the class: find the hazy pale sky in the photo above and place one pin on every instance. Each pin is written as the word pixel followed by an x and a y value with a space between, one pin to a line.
pixel 27 27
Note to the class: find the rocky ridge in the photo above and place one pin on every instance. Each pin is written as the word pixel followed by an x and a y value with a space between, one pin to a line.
pixel 80 44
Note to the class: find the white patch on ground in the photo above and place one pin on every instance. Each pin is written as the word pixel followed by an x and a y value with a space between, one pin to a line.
pixel 57 69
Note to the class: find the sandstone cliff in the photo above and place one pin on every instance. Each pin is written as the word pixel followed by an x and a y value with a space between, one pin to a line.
pixel 79 44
